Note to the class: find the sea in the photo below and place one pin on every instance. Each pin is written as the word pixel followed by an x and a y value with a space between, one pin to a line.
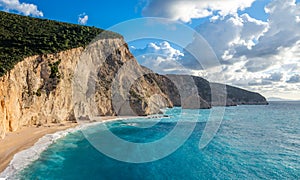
pixel 250 142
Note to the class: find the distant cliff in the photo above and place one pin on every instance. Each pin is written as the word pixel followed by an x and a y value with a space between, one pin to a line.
pixel 232 95
pixel 238 96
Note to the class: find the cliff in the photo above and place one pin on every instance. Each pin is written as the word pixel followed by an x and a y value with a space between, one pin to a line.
pixel 180 89
pixel 210 94
pixel 29 95
pixel 40 89
pixel 238 96
pixel 216 94
pixel 115 83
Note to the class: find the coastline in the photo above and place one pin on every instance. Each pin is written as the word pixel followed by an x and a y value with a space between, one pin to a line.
pixel 14 146
pixel 14 141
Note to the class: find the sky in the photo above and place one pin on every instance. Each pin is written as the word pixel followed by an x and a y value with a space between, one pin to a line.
pixel 256 42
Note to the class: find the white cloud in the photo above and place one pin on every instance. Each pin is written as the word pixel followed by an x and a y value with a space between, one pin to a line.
pixel 259 83
pixel 83 19
pixel 276 77
pixel 163 48
pixel 23 8
pixel 284 29
pixel 186 10
pixel 226 36
pixel 294 79
pixel 257 55
pixel 161 58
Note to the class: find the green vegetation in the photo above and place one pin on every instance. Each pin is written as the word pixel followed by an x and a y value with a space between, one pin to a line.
pixel 54 70
pixel 135 95
pixel 22 36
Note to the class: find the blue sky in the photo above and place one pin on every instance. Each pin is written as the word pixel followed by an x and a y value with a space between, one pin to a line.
pixel 101 14
pixel 257 42
pixel 104 14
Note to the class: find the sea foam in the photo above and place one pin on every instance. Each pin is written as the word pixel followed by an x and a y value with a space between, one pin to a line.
pixel 26 157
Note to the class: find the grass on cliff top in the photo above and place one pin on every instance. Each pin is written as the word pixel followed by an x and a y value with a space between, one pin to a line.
pixel 22 36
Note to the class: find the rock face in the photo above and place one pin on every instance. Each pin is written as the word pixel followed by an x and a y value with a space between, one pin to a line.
pixel 212 94
pixel 40 89
pixel 33 93
pixel 237 96
pixel 109 81
pixel 224 95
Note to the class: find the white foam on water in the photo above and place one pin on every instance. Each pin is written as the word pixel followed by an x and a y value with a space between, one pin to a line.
pixel 26 157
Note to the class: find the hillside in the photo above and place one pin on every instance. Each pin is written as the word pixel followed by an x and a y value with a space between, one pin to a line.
pixel 238 96
pixel 25 36
pixel 234 95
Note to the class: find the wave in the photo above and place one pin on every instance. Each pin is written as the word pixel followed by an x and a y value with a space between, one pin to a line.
pixel 26 157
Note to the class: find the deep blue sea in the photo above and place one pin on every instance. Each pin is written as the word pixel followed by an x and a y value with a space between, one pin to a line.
pixel 253 142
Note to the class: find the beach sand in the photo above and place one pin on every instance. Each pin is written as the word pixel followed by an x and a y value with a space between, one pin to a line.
pixel 26 137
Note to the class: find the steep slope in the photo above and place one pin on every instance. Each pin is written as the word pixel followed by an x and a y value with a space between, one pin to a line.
pixel 231 97
pixel 29 95
pixel 115 83
pixel 39 90
pixel 238 96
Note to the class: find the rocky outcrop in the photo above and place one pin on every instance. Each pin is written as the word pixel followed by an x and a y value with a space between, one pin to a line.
pixel 238 96
pixel 211 94
pixel 109 81
pixel 217 94
pixel 181 90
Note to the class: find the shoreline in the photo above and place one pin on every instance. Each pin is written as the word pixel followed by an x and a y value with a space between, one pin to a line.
pixel 14 142
pixel 15 149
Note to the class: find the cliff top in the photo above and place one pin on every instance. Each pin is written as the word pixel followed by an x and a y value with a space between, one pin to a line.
pixel 22 36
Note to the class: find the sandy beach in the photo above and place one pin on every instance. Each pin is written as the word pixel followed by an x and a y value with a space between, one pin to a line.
pixel 26 137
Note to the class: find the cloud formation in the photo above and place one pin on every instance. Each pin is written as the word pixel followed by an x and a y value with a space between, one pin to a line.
pixel 163 48
pixel 294 79
pixel 275 77
pixel 232 34
pixel 83 19
pixel 258 50
pixel 160 57
pixel 186 10
pixel 255 54
pixel 23 8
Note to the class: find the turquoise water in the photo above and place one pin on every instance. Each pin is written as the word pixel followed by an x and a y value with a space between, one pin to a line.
pixel 253 142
